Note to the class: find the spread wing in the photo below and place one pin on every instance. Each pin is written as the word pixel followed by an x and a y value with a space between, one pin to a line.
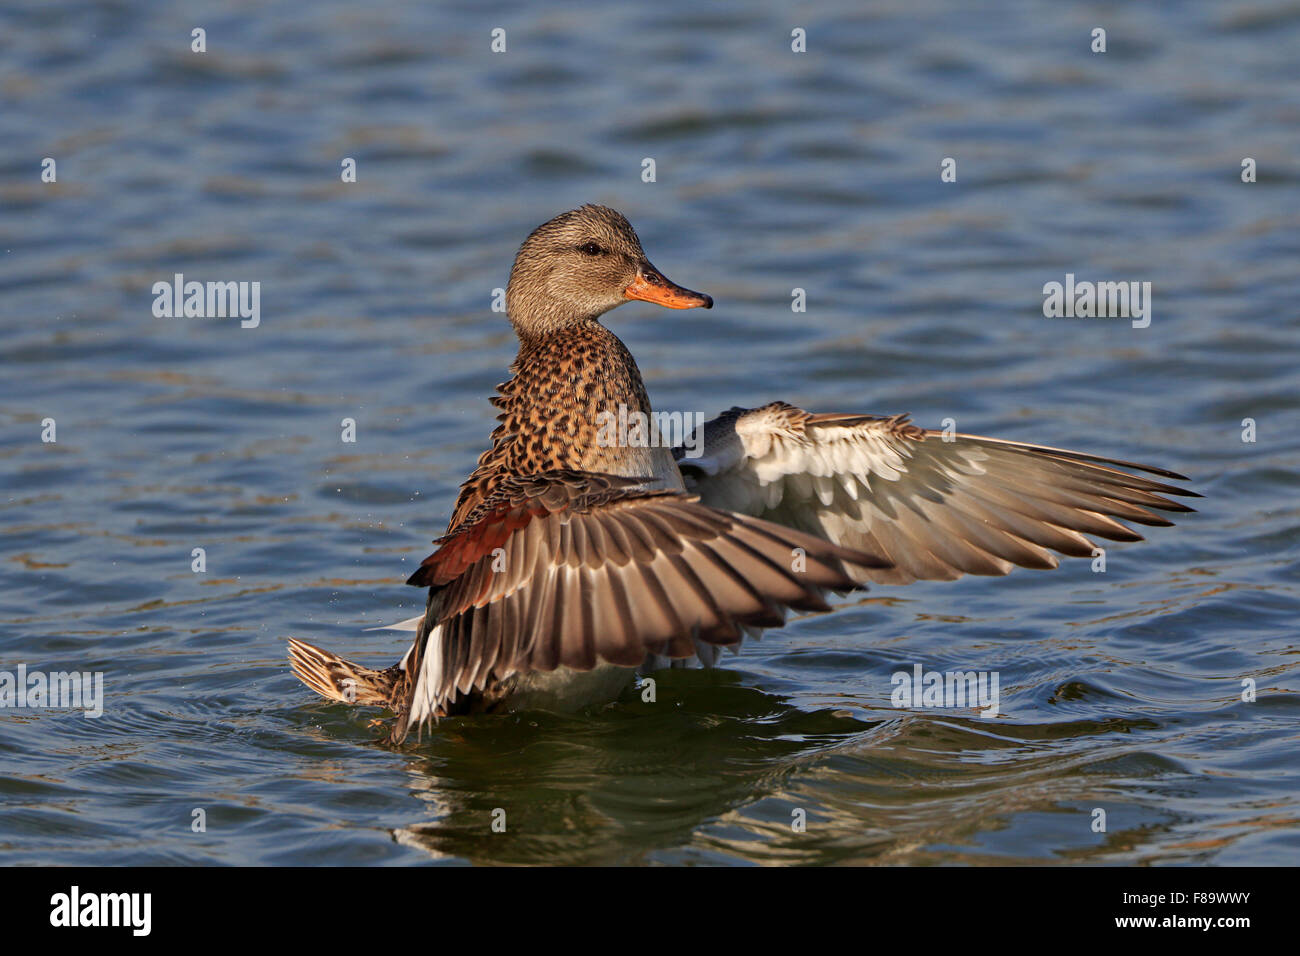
pixel 570 568
pixel 935 508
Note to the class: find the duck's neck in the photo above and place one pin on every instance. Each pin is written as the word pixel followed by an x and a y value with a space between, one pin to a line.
pixel 575 371
pixel 578 396
pixel 573 403
pixel 535 314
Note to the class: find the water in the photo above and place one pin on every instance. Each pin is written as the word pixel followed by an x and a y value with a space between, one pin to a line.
pixel 1121 691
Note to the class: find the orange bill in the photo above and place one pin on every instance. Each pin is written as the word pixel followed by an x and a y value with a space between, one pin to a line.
pixel 650 286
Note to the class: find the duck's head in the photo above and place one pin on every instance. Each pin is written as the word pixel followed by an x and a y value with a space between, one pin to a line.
pixel 580 265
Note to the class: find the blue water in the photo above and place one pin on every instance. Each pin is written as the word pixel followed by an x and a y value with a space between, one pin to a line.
pixel 1121 691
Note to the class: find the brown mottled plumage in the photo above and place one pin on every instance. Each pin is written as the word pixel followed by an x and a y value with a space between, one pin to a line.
pixel 568 561
pixel 549 410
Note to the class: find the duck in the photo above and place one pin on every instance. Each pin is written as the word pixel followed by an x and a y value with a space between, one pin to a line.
pixel 574 563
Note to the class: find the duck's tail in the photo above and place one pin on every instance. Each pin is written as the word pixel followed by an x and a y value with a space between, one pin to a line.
pixel 336 679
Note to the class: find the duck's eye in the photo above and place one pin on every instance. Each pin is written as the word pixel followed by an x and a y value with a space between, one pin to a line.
pixel 591 249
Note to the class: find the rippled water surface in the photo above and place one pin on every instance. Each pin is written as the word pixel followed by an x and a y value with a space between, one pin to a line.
pixel 775 170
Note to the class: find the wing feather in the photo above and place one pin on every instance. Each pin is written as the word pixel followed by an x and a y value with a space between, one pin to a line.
pixel 572 569
pixel 934 506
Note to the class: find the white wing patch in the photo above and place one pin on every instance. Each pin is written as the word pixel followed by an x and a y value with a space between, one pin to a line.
pixel 937 506
pixel 424 701
pixel 410 624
